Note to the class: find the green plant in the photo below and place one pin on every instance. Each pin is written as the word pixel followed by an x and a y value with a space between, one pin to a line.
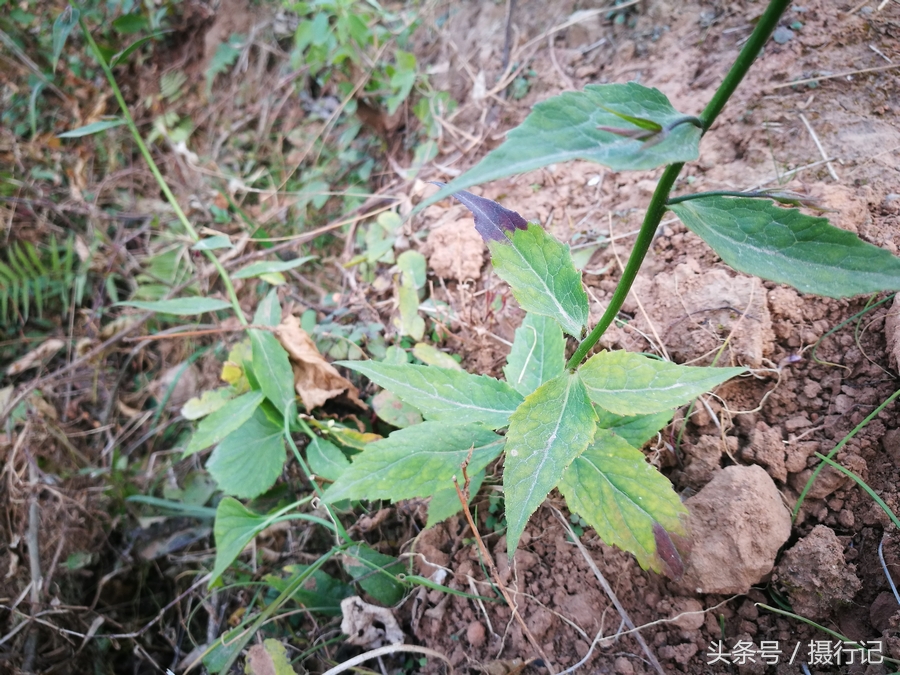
pixel 576 424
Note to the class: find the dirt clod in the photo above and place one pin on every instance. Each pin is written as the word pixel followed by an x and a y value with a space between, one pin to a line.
pixel 815 576
pixel 741 522
pixel 457 251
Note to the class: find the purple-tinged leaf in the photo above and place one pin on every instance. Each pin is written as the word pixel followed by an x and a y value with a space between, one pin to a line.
pixel 667 551
pixel 492 221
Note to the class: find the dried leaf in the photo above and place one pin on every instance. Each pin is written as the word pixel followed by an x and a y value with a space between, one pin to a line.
pixel 36 356
pixel 315 380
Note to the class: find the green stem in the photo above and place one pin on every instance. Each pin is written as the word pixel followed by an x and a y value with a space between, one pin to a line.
pixel 641 245
pixel 657 208
pixel 745 59
pixel 154 169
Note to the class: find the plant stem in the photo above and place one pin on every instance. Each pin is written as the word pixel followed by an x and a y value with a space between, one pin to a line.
pixel 641 246
pixel 657 207
pixel 745 59
pixel 154 169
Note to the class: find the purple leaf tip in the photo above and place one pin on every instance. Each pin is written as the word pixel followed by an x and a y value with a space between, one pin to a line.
pixel 667 552
pixel 492 221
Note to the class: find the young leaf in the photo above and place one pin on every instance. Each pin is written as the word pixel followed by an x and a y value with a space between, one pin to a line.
pixel 550 429
pixel 565 127
pixel 235 527
pixel 634 430
pixel 92 128
pixel 416 462
pixel 326 459
pixel 537 354
pixel 249 460
pixel 269 266
pixel 377 575
pixel 268 312
pixel 441 394
pixel 388 406
pixel 213 243
pixel 787 246
pixel 179 306
pixel 538 268
pixel 214 428
pixel 445 503
pixel 207 403
pixel 628 502
pixel 65 22
pixel 273 369
pixel 632 384
pixel 432 356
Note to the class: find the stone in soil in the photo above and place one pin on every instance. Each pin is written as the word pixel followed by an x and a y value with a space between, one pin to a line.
pixel 738 523
pixel 815 576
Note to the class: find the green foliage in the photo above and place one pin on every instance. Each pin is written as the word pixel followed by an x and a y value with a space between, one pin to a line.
pixel 603 124
pixel 32 279
pixel 537 354
pixel 784 245
pixel 179 306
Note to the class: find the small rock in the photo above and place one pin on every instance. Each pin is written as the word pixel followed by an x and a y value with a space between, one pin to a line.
pixel 738 522
pixel 782 35
pixel 475 634
pixel 767 448
pixel 693 614
pixel 815 576
pixel 622 666
pixel 881 611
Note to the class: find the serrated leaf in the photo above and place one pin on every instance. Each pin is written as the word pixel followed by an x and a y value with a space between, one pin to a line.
pixel 634 429
pixel 784 245
pixel 416 462
pixel 542 276
pixel 229 417
pixel 249 460
pixel 538 268
pixel 631 384
pixel 378 577
pixel 92 128
pixel 269 266
pixel 445 503
pixel 273 370
pixel 442 394
pixel 179 306
pixel 537 355
pixel 326 459
pixel 565 127
pixel 235 527
pixel 62 27
pixel 628 502
pixel 395 412
pixel 550 429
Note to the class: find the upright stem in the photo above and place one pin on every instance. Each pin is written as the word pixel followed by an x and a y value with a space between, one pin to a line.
pixel 657 207
pixel 163 186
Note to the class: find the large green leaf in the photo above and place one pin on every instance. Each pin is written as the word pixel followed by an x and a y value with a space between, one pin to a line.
pixel 538 268
pixel 319 591
pixel 537 354
pixel 443 394
pixel 223 421
pixel 632 384
pixel 628 502
pixel 235 527
pixel 273 370
pixel 179 306
pixel 567 127
pixel 635 429
pixel 249 460
pixel 784 245
pixel 268 312
pixel 416 462
pixel 326 459
pixel 550 429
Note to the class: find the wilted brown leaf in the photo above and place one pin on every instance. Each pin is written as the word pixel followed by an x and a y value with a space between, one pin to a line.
pixel 315 380
pixel 36 356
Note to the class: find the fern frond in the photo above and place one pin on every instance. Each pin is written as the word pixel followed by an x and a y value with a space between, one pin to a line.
pixel 34 278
